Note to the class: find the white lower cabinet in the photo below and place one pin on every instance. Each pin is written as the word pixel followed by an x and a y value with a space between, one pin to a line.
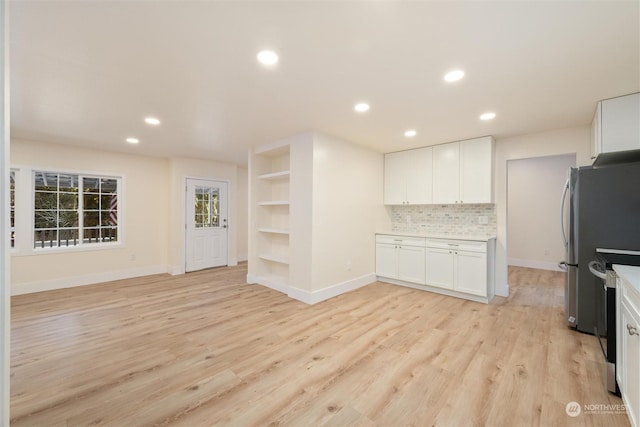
pixel 440 268
pixel 458 265
pixel 401 258
pixel 462 268
pixel 628 346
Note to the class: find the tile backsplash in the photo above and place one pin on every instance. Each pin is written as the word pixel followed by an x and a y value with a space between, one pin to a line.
pixel 454 220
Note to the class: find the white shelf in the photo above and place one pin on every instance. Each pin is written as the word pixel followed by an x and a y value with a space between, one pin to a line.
pixel 275 175
pixel 274 203
pixel 274 230
pixel 275 258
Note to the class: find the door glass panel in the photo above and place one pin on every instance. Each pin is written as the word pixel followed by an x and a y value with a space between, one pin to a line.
pixel 215 207
pixel 206 207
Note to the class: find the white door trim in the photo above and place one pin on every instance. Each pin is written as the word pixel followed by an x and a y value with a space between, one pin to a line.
pixel 230 222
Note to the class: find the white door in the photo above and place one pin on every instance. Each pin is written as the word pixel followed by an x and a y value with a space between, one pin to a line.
pixel 207 224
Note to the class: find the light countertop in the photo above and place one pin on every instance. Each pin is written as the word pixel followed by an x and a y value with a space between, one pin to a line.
pixel 630 274
pixel 472 237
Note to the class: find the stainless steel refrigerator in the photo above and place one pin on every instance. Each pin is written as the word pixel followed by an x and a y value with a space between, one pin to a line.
pixel 603 206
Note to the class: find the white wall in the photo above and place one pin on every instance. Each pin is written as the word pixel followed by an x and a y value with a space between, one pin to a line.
pixel 4 207
pixel 534 186
pixel 181 169
pixel 563 141
pixel 242 210
pixel 145 206
pixel 347 211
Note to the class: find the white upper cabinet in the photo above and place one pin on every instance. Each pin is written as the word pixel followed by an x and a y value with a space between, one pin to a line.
pixel 616 125
pixel 476 170
pixel 463 171
pixel 446 173
pixel 408 178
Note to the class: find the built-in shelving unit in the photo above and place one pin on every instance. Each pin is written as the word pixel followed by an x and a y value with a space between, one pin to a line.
pixel 269 170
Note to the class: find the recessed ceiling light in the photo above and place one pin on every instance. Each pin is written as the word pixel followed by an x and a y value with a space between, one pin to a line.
pixel 267 57
pixel 487 116
pixel 454 76
pixel 132 140
pixel 152 121
pixel 410 133
pixel 361 107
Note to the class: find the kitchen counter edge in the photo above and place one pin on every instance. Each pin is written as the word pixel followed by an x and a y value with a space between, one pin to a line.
pixel 473 238
pixel 630 274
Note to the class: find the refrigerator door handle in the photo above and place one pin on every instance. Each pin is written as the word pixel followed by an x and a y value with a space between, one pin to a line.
pixel 562 202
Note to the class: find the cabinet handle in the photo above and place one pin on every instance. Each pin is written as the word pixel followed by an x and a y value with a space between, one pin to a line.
pixel 450 252
pixel 456 253
pixel 632 331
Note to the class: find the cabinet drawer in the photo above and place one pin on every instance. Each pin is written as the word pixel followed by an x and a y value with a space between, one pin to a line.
pixel 401 240
pixel 461 245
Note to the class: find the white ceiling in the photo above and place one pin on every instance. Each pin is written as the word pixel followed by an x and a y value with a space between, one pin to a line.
pixel 87 73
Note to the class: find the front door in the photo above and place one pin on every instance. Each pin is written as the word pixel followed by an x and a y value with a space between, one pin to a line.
pixel 207 225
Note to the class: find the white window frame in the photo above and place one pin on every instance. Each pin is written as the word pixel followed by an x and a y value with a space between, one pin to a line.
pixel 25 211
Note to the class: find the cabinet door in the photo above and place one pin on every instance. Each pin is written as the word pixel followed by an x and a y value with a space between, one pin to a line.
pixel 419 172
pixel 621 123
pixel 411 264
pixel 395 179
pixel 471 273
pixel 440 268
pixel 476 170
pixel 631 363
pixel 446 173
pixel 386 260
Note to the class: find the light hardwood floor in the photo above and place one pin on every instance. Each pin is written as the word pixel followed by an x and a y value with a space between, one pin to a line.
pixel 207 349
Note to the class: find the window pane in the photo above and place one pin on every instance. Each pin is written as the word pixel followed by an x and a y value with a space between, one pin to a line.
pixel 108 186
pixel 91 202
pixel 12 205
pixel 68 201
pixel 91 219
pixel 46 239
pixel 109 234
pixel 67 219
pixel 69 237
pixel 91 235
pixel 68 182
pixel 91 185
pixel 46 181
pixel 46 219
pixel 215 206
pixel 45 200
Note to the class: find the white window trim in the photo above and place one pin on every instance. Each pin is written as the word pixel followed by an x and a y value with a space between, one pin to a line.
pixel 25 231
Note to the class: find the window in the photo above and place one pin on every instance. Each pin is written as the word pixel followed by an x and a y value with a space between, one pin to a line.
pixel 74 210
pixel 207 204
pixel 12 206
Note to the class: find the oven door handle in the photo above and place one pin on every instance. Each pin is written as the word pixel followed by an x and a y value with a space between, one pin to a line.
pixel 593 269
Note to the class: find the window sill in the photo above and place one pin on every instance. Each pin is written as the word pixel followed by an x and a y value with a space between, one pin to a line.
pixel 68 249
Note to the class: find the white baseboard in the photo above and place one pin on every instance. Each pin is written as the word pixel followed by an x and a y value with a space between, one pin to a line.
pixel 176 270
pixel 531 263
pixel 232 262
pixel 87 279
pixel 502 290
pixel 243 258
pixel 314 297
pixel 268 282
